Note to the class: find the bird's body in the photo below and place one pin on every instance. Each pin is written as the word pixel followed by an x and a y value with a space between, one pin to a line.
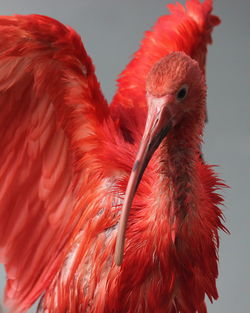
pixel 66 158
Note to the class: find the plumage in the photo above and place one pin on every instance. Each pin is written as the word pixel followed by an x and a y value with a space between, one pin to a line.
pixel 66 157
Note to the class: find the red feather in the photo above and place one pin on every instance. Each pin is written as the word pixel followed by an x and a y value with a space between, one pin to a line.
pixel 50 101
pixel 186 29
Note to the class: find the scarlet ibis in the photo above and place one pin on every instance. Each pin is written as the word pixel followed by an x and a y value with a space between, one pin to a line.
pixel 66 158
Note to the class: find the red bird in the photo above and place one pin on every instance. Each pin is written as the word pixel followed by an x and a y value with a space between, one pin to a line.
pixel 66 158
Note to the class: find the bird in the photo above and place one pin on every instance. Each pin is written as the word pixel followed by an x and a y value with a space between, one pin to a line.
pixel 107 208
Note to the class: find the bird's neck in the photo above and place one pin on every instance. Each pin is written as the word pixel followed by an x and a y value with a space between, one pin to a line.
pixel 177 169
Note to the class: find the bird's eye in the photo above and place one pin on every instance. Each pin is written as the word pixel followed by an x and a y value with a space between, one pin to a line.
pixel 182 92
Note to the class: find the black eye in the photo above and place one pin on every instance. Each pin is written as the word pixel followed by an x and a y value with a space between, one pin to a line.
pixel 181 94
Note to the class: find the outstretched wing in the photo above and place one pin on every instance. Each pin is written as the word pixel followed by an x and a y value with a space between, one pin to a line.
pixel 185 29
pixel 51 106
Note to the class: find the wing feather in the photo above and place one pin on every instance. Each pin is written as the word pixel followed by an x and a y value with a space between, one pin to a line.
pixel 50 104
pixel 185 29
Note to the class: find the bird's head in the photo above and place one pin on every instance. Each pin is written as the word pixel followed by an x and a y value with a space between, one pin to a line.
pixel 175 86
pixel 175 90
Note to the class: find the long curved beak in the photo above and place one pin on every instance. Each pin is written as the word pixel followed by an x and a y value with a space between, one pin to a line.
pixel 157 126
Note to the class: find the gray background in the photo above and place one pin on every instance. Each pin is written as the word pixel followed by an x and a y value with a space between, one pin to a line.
pixel 111 30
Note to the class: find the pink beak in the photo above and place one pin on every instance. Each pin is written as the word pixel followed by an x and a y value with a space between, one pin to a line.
pixel 159 122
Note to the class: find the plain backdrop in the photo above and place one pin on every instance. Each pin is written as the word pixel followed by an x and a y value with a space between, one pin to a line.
pixel 111 31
